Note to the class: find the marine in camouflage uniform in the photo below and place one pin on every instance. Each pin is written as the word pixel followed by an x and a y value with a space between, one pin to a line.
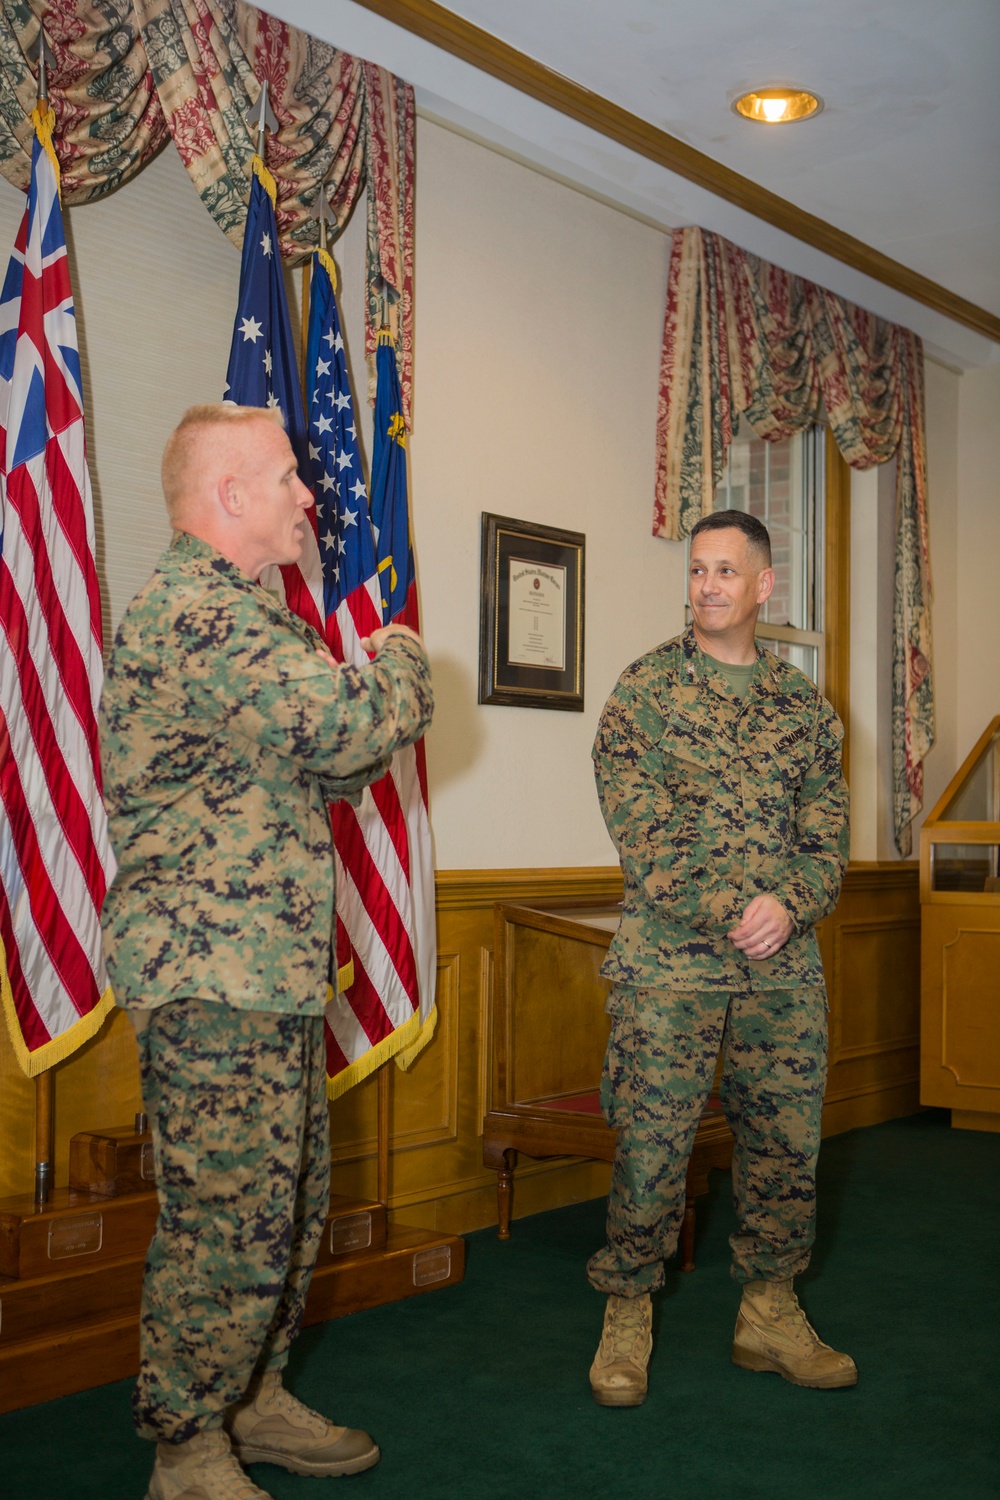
pixel 225 731
pixel 714 799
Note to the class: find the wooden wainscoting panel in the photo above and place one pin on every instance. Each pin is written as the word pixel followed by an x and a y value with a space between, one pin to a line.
pixel 425 1097
pixel 484 1071
pixel 876 975
pixel 352 1126
pixel 97 1085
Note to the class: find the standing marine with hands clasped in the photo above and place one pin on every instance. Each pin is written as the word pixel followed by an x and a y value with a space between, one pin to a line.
pixel 719 774
pixel 226 730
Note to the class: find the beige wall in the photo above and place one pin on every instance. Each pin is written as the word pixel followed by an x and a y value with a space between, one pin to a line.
pixel 945 506
pixel 978 554
pixel 540 315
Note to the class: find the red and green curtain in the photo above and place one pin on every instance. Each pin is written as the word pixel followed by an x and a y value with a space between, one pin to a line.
pixel 129 74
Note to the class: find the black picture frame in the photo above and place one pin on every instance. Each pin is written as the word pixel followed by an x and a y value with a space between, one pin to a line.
pixel 538 664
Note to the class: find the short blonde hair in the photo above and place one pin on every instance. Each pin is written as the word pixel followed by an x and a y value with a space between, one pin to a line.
pixel 182 445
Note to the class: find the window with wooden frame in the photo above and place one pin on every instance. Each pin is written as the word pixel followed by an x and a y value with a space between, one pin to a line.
pixel 800 489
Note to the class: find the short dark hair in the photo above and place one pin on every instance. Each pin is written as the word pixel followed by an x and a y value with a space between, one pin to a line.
pixel 755 531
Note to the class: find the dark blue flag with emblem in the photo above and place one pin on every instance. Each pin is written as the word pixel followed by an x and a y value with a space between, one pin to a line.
pixel 397 577
pixel 390 510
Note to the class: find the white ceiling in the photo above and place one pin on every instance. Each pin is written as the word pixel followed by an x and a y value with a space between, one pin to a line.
pixel 905 156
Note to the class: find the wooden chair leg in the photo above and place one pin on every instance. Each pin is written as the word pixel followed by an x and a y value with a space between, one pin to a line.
pixel 687 1236
pixel 505 1193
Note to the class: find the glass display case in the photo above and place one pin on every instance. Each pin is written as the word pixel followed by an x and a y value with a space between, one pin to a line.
pixel 960 942
pixel 963 831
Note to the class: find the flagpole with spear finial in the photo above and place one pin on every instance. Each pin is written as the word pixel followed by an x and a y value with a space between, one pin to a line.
pixel 41 52
pixel 260 119
pixel 324 216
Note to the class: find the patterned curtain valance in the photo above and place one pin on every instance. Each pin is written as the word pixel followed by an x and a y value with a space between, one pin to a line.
pixel 742 337
pixel 128 73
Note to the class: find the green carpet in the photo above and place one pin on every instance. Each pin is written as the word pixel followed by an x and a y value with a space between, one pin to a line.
pixel 481 1390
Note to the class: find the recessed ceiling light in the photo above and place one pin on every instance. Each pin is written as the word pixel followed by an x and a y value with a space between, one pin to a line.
pixel 778 106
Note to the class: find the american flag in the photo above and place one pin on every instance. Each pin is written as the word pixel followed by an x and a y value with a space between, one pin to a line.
pixel 335 588
pixel 55 858
pixel 382 885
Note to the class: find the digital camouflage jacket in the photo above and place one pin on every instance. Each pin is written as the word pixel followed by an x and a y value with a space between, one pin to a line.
pixel 712 800
pixel 224 734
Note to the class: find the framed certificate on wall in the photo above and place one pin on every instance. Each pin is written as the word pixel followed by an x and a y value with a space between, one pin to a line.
pixel 531 609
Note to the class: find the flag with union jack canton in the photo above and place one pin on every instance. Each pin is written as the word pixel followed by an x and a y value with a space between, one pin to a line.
pixel 55 858
pixel 381 1011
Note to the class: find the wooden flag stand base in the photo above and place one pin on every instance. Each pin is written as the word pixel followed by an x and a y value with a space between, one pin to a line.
pixel 71 1264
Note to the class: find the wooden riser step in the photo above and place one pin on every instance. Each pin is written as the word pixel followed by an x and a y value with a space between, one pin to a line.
pixel 47 1306
pixel 95 1287
pixel 61 1364
pixel 75 1231
pixel 72 1230
pixel 413 1261
pixel 37 1366
pixel 353 1226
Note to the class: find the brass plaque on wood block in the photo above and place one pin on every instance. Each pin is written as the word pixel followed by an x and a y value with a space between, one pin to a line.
pixel 350 1232
pixel 28 1249
pixel 431 1265
pixel 76 1234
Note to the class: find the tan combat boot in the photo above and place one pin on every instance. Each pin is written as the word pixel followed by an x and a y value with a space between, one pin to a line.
pixel 203 1468
pixel 271 1427
pixel 773 1333
pixel 618 1374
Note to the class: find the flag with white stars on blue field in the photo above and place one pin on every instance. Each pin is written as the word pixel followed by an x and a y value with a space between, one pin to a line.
pixel 263 371
pixel 343 522
pixel 379 1012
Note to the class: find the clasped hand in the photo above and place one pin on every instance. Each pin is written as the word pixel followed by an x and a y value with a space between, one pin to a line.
pixel 764 928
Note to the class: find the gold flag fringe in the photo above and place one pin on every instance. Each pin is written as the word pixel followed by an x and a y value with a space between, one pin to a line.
pixel 60 1047
pixel 44 125
pixel 326 261
pixel 267 181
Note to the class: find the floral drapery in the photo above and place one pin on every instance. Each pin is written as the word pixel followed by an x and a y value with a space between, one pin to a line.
pixel 109 123
pixel 128 73
pixel 742 337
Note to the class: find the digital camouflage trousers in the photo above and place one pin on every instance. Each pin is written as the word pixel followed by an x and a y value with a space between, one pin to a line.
pixel 241 1136
pixel 658 1073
